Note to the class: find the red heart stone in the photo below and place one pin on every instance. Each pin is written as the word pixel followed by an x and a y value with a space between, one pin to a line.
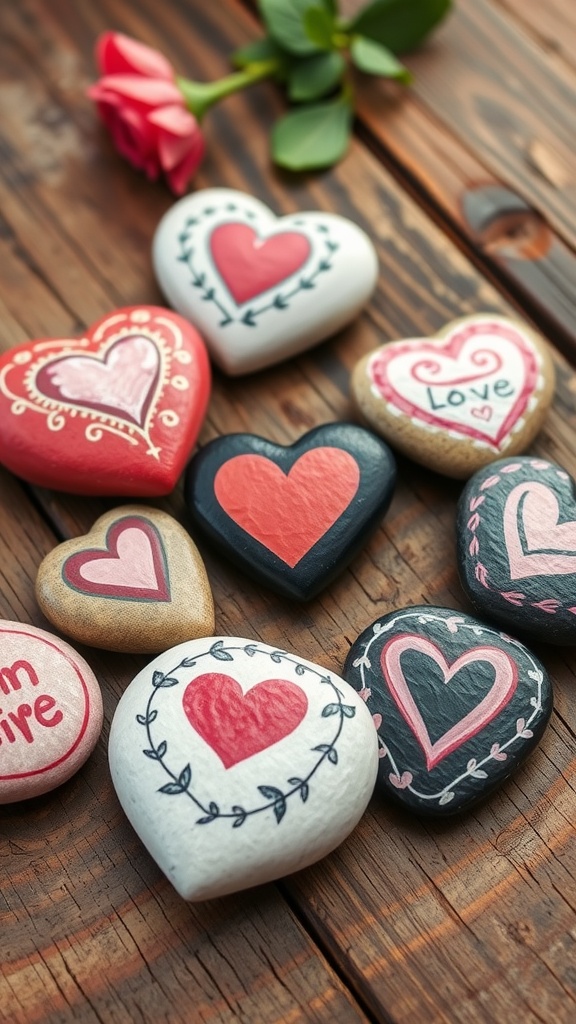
pixel 115 412
pixel 250 265
pixel 238 725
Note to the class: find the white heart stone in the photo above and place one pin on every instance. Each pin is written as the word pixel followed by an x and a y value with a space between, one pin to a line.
pixel 237 763
pixel 258 287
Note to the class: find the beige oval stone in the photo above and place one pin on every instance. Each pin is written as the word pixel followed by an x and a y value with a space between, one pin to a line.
pixel 135 583
pixel 477 391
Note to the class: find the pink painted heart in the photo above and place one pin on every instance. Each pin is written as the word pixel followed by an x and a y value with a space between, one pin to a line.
pixel 401 781
pixel 238 725
pixel 549 547
pixel 122 383
pixel 482 412
pixel 498 696
pixel 133 564
pixel 250 265
pixel 439 381
pixel 288 512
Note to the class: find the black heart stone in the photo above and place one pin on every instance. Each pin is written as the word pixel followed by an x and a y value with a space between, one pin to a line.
pixel 458 705
pixel 516 526
pixel 292 517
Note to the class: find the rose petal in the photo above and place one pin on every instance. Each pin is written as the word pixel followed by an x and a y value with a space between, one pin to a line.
pixel 120 54
pixel 132 137
pixel 176 136
pixel 141 93
pixel 179 177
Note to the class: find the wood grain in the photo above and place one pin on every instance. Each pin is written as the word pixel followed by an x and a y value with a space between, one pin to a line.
pixel 492 166
pixel 469 921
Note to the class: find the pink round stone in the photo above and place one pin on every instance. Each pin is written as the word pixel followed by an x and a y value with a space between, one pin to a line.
pixel 50 711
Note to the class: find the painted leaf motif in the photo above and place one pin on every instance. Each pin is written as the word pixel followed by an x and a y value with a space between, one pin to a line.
pixel 271 792
pixel 172 788
pixel 279 810
pixel 330 709
pixel 217 652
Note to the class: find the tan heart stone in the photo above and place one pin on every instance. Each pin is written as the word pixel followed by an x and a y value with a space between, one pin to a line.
pixel 136 582
pixel 477 391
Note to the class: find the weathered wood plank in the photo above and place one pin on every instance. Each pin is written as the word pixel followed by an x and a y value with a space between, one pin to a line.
pixel 483 137
pixel 553 25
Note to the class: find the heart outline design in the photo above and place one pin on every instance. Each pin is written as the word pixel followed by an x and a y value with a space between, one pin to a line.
pixel 261 498
pixel 140 589
pixel 250 263
pixel 401 395
pixel 540 526
pixel 268 712
pixel 102 365
pixel 499 695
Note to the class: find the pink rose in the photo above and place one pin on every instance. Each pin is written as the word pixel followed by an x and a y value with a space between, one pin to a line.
pixel 144 110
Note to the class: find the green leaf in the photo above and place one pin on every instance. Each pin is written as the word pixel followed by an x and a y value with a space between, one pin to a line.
pixel 314 137
pixel 400 25
pixel 261 49
pixel 376 59
pixel 319 26
pixel 284 20
pixel 312 77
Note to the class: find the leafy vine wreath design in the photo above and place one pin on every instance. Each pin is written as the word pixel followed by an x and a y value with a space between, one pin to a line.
pixel 474 767
pixel 275 799
pixel 548 605
pixel 280 301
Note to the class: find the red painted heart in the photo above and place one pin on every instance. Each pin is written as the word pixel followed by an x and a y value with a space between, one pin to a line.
pixel 116 412
pixel 288 513
pixel 133 564
pixel 238 725
pixel 498 696
pixel 250 265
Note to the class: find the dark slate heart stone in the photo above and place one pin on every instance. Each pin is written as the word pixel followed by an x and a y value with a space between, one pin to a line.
pixel 459 705
pixel 292 517
pixel 516 527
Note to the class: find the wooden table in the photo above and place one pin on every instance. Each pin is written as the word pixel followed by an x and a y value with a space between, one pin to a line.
pixel 466 184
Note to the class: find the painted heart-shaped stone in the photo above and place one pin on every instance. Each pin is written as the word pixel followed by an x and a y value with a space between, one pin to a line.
pixel 517 547
pixel 458 705
pixel 50 711
pixel 135 583
pixel 261 288
pixel 292 517
pixel 478 390
pixel 115 412
pixel 237 763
